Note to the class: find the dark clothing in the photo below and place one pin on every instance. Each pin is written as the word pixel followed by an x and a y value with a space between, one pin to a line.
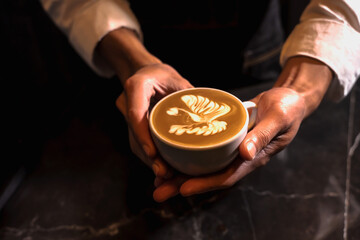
pixel 215 43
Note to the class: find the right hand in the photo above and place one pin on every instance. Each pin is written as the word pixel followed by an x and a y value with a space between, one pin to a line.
pixel 150 83
pixel 145 79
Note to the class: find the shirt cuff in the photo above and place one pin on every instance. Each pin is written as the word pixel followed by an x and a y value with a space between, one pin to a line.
pixel 334 43
pixel 93 23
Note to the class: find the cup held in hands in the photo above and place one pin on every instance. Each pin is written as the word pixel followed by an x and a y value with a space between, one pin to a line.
pixel 198 130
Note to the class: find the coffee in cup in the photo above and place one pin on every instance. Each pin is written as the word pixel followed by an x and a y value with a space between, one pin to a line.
pixel 198 130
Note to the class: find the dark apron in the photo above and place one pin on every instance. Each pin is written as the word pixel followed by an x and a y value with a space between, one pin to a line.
pixel 223 44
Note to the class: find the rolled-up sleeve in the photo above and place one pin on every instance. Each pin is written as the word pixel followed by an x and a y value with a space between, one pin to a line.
pixel 329 30
pixel 86 22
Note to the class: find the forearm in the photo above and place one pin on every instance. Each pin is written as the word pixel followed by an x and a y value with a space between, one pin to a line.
pixel 124 52
pixel 85 23
pixel 329 30
pixel 308 77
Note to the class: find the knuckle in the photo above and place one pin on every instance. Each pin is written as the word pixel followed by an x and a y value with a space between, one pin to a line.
pixel 262 158
pixel 264 137
pixel 129 84
pixel 286 117
pixel 261 161
pixel 138 82
pixel 132 83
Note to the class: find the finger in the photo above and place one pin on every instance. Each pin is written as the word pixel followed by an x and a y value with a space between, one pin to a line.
pixel 224 179
pixel 138 101
pixel 169 188
pixel 134 145
pixel 260 136
pixel 255 141
pixel 137 149
pixel 161 169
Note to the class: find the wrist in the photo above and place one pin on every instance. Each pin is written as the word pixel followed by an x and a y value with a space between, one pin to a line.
pixel 310 78
pixel 125 53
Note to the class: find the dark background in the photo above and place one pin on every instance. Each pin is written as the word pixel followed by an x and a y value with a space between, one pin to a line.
pixel 45 82
pixel 67 153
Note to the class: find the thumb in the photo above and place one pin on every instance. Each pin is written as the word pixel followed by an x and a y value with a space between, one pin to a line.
pixel 139 132
pixel 259 137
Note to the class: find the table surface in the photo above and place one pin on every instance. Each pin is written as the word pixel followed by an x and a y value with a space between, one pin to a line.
pixel 88 185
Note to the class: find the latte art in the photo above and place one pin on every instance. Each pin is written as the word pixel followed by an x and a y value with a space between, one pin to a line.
pixel 203 112
pixel 199 130
pixel 199 117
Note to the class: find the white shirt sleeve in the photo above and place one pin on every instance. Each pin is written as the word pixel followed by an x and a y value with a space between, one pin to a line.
pixel 329 30
pixel 86 22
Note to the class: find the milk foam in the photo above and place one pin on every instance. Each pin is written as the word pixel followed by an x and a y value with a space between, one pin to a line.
pixel 203 113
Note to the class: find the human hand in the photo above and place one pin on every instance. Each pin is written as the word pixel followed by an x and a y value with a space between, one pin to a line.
pixel 145 79
pixel 148 84
pixel 280 113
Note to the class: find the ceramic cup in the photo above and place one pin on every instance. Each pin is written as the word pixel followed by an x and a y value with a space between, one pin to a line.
pixel 199 130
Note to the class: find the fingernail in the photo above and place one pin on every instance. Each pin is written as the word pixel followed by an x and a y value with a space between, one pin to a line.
pixel 251 150
pixel 155 168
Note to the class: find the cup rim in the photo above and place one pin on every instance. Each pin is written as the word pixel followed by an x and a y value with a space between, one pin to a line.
pixel 197 148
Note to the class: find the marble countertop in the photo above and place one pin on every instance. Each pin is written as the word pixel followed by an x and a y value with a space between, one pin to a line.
pixel 87 184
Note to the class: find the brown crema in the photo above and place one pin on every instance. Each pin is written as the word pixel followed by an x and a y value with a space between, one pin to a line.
pixel 199 117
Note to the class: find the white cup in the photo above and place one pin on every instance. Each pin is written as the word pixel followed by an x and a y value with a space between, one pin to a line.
pixel 199 160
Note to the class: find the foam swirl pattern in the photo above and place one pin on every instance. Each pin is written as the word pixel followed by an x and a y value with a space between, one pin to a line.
pixel 203 113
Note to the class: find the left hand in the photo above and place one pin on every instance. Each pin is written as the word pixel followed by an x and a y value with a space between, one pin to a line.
pixel 280 112
pixel 296 94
